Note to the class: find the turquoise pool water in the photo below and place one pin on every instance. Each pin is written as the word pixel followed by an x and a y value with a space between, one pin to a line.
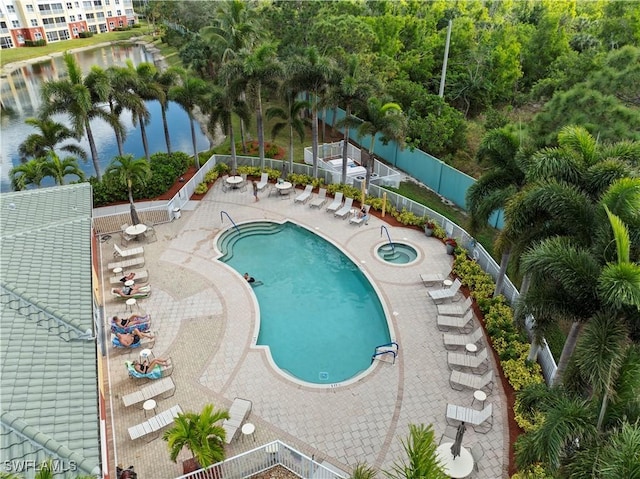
pixel 400 253
pixel 320 316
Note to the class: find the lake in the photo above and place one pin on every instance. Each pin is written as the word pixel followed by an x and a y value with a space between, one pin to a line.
pixel 20 94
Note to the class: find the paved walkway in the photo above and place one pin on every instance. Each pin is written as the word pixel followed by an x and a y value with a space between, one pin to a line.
pixel 205 314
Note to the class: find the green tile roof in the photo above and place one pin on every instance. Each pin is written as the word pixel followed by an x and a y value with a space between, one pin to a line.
pixel 49 390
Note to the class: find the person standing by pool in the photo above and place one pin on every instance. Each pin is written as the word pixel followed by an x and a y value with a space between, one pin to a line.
pixel 255 191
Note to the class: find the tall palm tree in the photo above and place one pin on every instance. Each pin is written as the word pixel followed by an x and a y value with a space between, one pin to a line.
pixel 188 94
pixel 51 134
pixel 200 434
pixel 312 72
pixel 111 86
pixel 384 119
pixel 72 96
pixel 291 116
pixel 58 169
pixel 261 69
pixel 505 155
pixel 354 87
pixel 144 86
pixel 165 81
pixel 223 103
pixel 130 172
pixel 25 174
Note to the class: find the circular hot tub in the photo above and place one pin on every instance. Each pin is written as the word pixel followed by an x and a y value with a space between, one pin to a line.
pixel 397 253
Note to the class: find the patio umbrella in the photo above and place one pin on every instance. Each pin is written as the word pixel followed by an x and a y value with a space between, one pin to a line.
pixel 457 444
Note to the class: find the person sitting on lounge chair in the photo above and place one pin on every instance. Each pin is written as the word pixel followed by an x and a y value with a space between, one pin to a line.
pixel 128 291
pixel 145 366
pixel 130 321
pixel 128 277
pixel 128 340
pixel 363 212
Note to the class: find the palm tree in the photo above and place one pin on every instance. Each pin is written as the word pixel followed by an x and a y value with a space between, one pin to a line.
pixel 165 80
pixel 573 278
pixel 200 434
pixel 72 96
pixel 130 172
pixel 25 174
pixel 58 168
pixel 261 69
pixel 505 155
pixel 143 85
pixel 312 72
pixel 51 134
pixel 353 88
pixel 111 86
pixel 188 94
pixel 291 116
pixel 385 119
pixel 420 448
pixel 223 103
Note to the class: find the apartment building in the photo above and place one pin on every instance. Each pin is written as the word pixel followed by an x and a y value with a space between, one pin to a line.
pixel 24 21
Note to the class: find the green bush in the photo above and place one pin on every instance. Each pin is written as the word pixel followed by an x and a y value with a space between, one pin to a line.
pixel 221 168
pixel 85 34
pixel 35 43
pixel 409 218
pixel 211 176
pixel 347 190
pixel 202 188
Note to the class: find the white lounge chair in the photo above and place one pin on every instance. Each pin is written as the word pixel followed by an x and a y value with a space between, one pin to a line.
pixel 472 416
pixel 304 196
pixel 125 253
pixel 150 391
pixel 337 203
pixel 456 309
pixel 141 277
pixel 264 181
pixel 320 199
pixel 345 210
pixel 460 323
pixel 358 220
pixel 445 294
pixel 432 278
pixel 127 263
pixel 460 380
pixel 461 339
pixel 238 413
pixel 477 362
pixel 155 423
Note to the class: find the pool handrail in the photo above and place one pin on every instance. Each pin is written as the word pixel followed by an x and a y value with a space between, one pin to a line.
pixel 386 351
pixel 383 227
pixel 232 222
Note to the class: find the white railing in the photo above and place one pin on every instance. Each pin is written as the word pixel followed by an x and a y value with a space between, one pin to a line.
pixel 263 458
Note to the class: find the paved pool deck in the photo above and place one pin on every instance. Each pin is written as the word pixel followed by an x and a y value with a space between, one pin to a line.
pixel 205 316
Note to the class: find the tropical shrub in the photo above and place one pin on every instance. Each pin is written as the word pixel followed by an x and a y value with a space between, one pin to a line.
pixel 201 189
pixel 248 170
pixel 301 179
pixel 409 218
pixel 347 190
pixel 222 168
pixel 211 176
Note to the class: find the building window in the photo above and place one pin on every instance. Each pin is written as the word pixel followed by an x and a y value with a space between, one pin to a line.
pixel 69 5
pixel 34 22
pixel 52 36
pixel 47 21
pixel 37 36
pixel 79 16
pixel 64 34
pixel 97 3
pixel 99 15
pixel 87 5
pixel 103 28
pixel 15 23
pixel 75 32
pixel 112 25
pixel 30 8
pixel 11 9
pixel 109 13
pixel 6 42
pixel 118 12
pixel 121 24
pixel 72 18
pixel 107 2
pixel 20 40
pixel 77 4
pixel 44 9
pixel 92 28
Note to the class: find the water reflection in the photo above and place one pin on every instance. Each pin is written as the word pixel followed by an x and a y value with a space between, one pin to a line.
pixel 20 96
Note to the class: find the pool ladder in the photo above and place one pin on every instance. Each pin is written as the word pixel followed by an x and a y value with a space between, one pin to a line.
pixel 389 348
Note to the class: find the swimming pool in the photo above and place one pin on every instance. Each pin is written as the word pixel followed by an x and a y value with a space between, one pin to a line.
pixel 319 315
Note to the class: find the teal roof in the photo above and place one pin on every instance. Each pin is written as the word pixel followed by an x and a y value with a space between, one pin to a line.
pixel 49 380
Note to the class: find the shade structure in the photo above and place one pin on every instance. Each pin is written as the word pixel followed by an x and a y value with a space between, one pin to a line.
pixel 457 444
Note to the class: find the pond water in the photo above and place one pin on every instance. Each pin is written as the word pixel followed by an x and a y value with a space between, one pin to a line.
pixel 20 96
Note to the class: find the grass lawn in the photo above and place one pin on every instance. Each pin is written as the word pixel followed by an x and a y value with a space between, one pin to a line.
pixel 11 55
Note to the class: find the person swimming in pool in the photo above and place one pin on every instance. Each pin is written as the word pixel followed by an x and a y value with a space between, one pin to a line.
pixel 251 280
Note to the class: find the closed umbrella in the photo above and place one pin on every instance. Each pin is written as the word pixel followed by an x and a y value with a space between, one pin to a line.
pixel 457 444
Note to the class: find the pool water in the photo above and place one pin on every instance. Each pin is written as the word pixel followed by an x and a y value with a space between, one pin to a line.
pixel 320 316
pixel 400 253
